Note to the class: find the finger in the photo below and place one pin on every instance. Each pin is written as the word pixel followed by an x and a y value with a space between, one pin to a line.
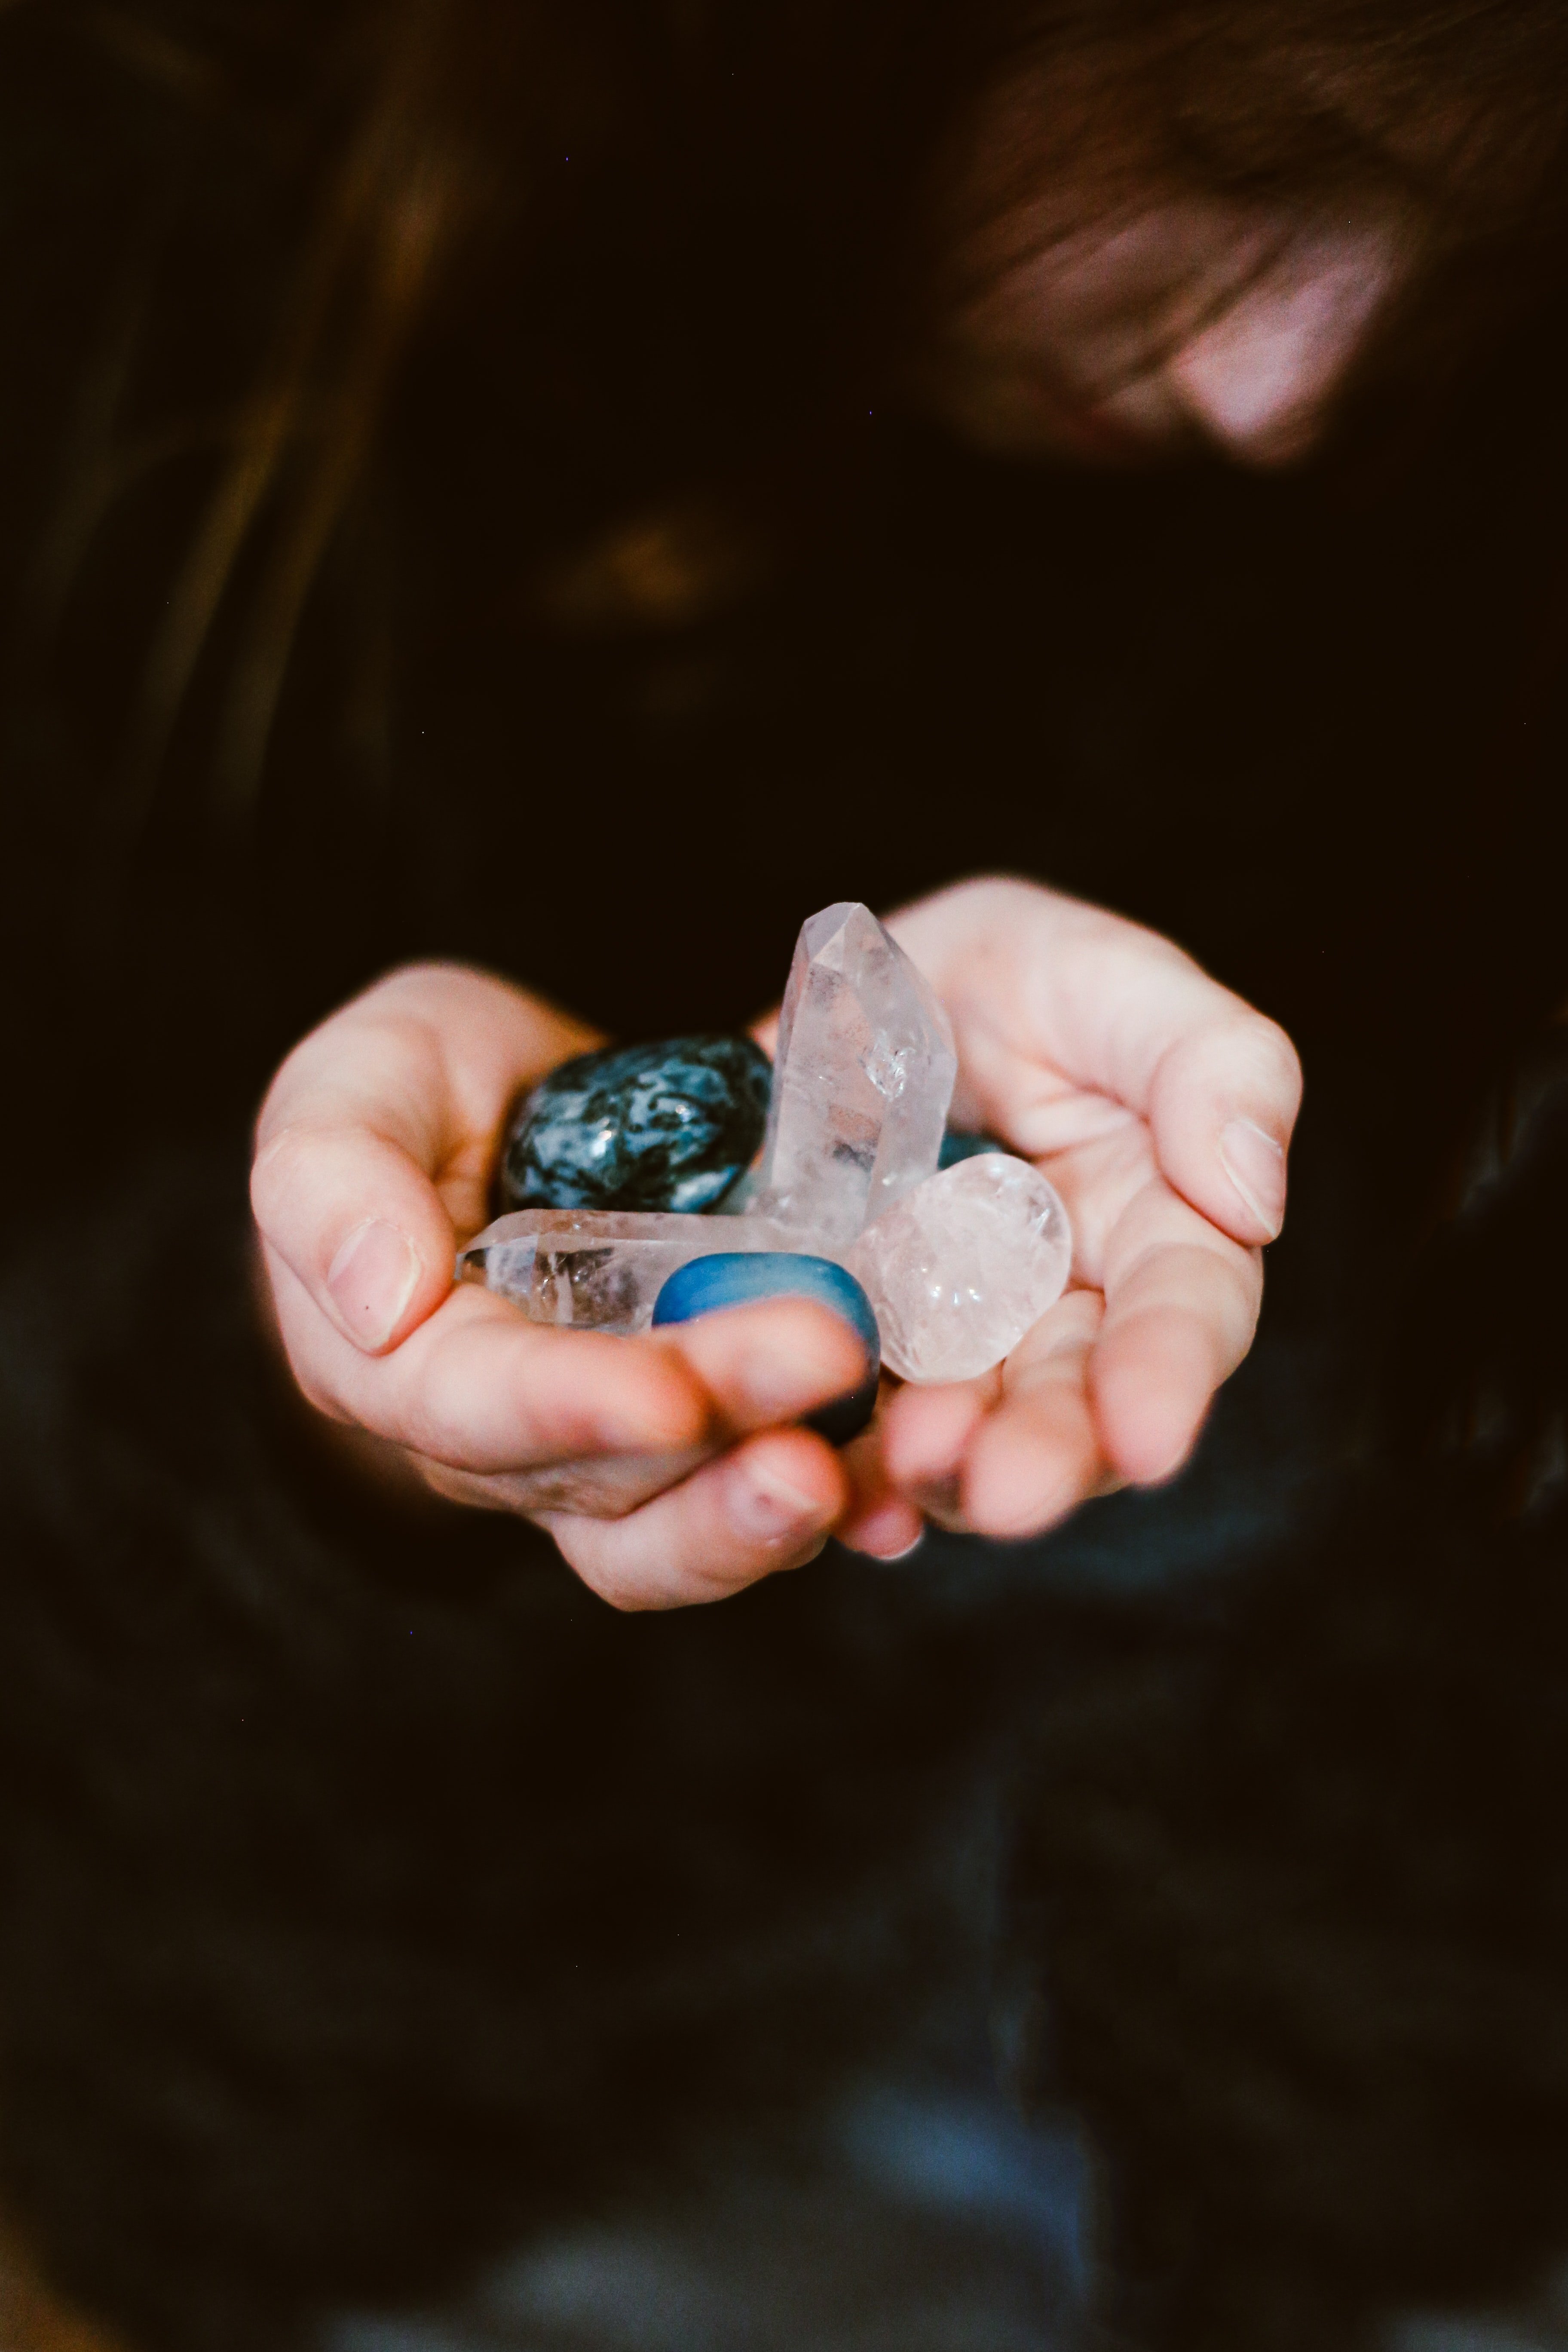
pixel 889 1529
pixel 767 1504
pixel 360 1226
pixel 773 1361
pixel 1182 1298
pixel 1222 1104
pixel 590 1485
pixel 381 1129
pixel 760 1365
pixel 1176 1325
pixel 1067 1017
pixel 512 1415
pixel 925 1434
pixel 881 1523
pixel 1036 1455
pixel 480 1388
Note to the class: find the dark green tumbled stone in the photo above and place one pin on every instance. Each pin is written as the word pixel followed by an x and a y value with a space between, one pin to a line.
pixel 668 1126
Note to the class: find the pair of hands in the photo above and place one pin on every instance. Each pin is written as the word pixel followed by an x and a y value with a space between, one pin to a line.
pixel 669 1468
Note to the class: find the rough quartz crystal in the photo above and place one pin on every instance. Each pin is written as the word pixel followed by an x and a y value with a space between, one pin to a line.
pixel 862 1080
pixel 960 1267
pixel 664 1127
pixel 960 1246
pixel 601 1270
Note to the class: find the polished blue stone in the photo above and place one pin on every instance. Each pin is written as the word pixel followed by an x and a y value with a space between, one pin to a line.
pixel 958 1144
pixel 669 1126
pixel 742 1277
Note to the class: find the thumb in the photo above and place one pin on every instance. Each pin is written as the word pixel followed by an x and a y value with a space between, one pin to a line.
pixel 1222 1107
pixel 360 1223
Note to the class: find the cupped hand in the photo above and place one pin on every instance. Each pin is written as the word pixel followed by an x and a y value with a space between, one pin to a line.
pixel 1161 1107
pixel 665 1467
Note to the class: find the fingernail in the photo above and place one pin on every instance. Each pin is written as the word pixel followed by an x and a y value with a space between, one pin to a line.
pixel 763 1505
pixel 885 1535
pixel 1256 1166
pixel 372 1280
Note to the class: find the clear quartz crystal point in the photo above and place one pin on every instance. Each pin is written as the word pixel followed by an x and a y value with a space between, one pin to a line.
pixel 601 1269
pixel 862 1078
pixel 960 1267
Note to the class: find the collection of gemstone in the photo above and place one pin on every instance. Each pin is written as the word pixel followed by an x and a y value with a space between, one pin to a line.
pixel 625 1166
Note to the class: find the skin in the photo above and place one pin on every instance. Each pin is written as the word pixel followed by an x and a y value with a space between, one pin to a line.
pixel 1090 305
pixel 666 1468
pixel 1194 324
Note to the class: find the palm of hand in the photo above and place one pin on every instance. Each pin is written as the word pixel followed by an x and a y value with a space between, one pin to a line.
pixel 1104 1055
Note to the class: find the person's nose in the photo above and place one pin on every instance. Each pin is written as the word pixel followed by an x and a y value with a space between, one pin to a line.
pixel 1259 379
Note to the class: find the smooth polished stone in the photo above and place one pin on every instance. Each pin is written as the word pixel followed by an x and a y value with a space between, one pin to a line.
pixel 602 1269
pixel 862 1078
pixel 962 1266
pixel 960 1143
pixel 707 1285
pixel 671 1126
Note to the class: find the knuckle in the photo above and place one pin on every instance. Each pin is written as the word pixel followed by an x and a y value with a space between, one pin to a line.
pixel 282 1167
pixel 318 1390
pixel 1201 1275
pixel 1277 1052
pixel 1238 1050
pixel 616 1582
pixel 800 1557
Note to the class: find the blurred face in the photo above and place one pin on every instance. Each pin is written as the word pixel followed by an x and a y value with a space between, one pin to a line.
pixel 1196 323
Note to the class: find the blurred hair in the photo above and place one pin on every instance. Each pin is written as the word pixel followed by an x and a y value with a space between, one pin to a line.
pixel 764 194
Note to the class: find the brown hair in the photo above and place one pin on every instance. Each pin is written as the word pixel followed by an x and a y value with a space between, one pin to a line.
pixel 425 145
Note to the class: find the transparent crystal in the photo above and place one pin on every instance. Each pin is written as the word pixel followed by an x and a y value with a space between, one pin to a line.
pixel 601 1269
pixel 862 1078
pixel 960 1267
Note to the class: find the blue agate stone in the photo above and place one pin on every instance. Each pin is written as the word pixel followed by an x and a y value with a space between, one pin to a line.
pixel 741 1277
pixel 670 1126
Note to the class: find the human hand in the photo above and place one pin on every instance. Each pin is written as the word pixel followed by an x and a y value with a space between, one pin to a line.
pixel 1160 1108
pixel 663 1467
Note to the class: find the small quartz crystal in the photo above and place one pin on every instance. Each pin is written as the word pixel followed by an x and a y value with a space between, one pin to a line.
pixel 960 1267
pixel 601 1269
pixel 862 1080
